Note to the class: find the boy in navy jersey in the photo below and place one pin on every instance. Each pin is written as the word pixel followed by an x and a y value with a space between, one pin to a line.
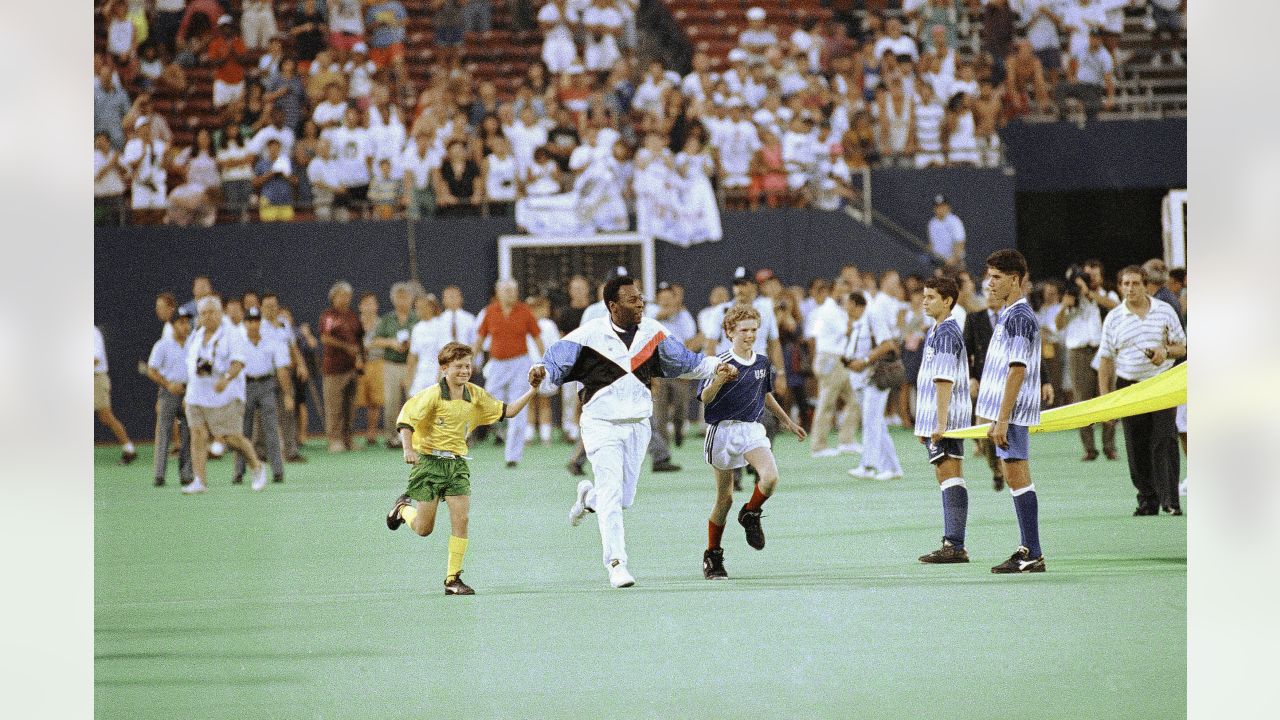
pixel 735 436
pixel 942 404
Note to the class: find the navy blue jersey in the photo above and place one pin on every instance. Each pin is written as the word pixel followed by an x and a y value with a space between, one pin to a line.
pixel 743 397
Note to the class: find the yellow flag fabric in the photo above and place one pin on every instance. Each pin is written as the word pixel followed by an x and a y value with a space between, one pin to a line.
pixel 1166 390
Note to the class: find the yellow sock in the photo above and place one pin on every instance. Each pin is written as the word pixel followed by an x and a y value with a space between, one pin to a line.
pixel 457 548
pixel 408 513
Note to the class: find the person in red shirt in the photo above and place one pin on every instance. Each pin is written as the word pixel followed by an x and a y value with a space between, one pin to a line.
pixel 227 54
pixel 507 322
pixel 342 338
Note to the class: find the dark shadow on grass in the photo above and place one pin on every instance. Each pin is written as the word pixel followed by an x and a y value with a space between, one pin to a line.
pixel 232 655
pixel 201 681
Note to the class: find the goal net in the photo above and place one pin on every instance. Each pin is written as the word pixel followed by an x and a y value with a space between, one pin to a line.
pixel 543 264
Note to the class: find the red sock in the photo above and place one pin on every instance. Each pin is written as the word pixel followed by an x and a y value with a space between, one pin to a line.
pixel 757 498
pixel 714 533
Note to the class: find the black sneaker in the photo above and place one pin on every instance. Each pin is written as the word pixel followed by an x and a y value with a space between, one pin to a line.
pixel 159 482
pixel 237 481
pixel 1020 562
pixel 299 458
pixel 997 483
pixel 666 466
pixel 713 564
pixel 511 463
pixel 128 457
pixel 948 553
pixel 575 469
pixel 277 479
pixel 457 587
pixel 394 521
pixel 750 521
pixel 1172 509
pixel 1146 510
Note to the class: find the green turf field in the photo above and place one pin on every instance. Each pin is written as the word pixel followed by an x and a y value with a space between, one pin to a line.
pixel 298 603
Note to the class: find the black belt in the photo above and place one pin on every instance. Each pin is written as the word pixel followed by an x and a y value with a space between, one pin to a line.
pixel 259 378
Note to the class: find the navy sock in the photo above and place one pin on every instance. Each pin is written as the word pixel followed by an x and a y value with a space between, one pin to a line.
pixel 1027 508
pixel 955 510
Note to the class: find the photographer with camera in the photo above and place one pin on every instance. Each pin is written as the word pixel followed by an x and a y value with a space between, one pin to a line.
pixel 215 392
pixel 1079 324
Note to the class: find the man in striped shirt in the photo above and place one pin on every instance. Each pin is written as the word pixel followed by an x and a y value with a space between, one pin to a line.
pixel 942 404
pixel 1009 397
pixel 1140 339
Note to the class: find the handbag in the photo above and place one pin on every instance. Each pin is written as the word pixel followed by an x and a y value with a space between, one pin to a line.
pixel 888 372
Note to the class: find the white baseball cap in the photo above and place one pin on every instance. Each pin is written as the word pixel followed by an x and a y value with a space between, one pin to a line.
pixel 755 13
pixel 360 48
pixel 737 55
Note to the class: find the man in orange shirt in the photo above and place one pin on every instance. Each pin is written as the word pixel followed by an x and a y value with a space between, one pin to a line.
pixel 227 54
pixel 507 322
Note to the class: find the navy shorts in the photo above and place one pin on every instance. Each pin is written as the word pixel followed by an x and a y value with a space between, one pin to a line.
pixel 1019 444
pixel 947 447
pixel 1050 58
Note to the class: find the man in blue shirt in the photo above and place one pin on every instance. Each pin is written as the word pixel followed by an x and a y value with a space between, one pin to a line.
pixel 275 181
pixel 1009 397
pixel 735 404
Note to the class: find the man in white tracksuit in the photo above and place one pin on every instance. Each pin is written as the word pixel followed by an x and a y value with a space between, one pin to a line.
pixel 614 358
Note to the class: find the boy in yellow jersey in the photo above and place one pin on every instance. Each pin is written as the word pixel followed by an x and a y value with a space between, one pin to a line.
pixel 433 429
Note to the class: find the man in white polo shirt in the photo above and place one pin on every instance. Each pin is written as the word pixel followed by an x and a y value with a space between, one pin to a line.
pixel 215 391
pixel 167 368
pixel 1140 339
pixel 946 233
pixel 830 329
pixel 266 362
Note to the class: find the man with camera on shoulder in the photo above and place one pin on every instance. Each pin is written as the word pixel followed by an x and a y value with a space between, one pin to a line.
pixel 216 391
pixel 1079 323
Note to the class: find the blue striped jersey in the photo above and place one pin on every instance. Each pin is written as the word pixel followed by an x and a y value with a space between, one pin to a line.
pixel 945 358
pixel 1015 341
pixel 743 397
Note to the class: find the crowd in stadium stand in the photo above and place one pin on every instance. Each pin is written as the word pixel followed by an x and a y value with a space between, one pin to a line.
pixel 313 105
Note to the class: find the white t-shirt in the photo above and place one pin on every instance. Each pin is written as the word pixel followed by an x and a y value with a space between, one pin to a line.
pixel 259 142
pixel 352 148
pixel 120 36
pixel 324 172
pixel 112 182
pixel 224 347
pixel 904 45
pixel 99 352
pixel 329 112
pixel 425 341
pixel 232 153
pixel 945 233
pixel 418 165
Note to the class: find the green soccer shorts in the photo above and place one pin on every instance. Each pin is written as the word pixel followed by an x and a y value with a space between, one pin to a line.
pixel 436 477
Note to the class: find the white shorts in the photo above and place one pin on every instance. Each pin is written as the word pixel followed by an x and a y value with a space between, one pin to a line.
pixel 729 441
pixel 1181 418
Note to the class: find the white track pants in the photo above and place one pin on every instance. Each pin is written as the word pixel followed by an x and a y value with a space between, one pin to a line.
pixel 877 448
pixel 616 451
pixel 507 380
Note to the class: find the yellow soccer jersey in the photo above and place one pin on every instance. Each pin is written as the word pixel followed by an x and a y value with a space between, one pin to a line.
pixel 441 422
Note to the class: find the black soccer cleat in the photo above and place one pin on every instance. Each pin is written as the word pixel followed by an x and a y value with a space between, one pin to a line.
pixel 394 521
pixel 946 554
pixel 127 458
pixel 749 519
pixel 455 586
pixel 1172 509
pixel 1020 562
pixel 1145 509
pixel 713 564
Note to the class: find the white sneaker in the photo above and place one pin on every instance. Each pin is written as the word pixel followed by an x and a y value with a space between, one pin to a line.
pixel 195 486
pixel 825 453
pixel 851 449
pixel 1182 488
pixel 895 421
pixel 579 508
pixel 217 449
pixel 863 473
pixel 260 478
pixel 889 475
pixel 618 575
pixel 571 432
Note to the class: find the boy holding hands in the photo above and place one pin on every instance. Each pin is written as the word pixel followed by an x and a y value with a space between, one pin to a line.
pixel 433 428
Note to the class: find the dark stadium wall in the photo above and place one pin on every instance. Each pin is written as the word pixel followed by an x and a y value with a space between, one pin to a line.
pixel 299 261
pixel 1113 155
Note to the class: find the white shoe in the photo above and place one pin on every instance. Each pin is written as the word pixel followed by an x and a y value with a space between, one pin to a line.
pixel 260 478
pixel 889 475
pixel 217 449
pixel 195 486
pixel 895 421
pixel 579 508
pixel 863 473
pixel 850 449
pixel 618 575
pixel 825 453
pixel 1182 488
pixel 571 432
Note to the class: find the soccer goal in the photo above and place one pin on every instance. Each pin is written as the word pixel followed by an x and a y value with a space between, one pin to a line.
pixel 543 264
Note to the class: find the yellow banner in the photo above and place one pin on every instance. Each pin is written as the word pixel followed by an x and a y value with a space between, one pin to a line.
pixel 1166 390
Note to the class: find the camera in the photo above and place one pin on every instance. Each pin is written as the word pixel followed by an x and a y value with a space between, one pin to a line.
pixel 204 368
pixel 1074 273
